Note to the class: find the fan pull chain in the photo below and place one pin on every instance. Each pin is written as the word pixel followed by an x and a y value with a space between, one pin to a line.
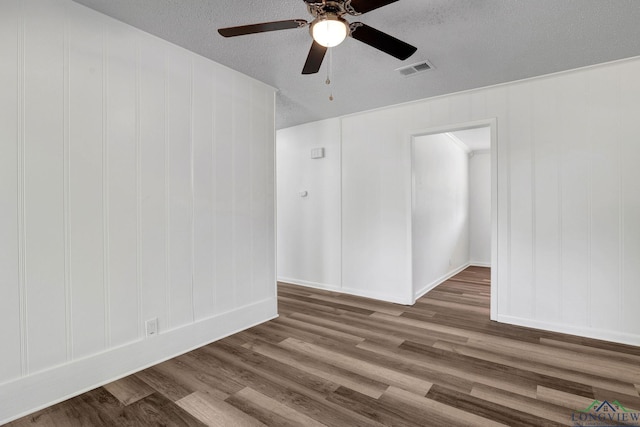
pixel 328 81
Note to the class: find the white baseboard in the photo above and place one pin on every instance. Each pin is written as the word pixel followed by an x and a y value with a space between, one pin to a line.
pixel 42 389
pixel 350 291
pixel 599 334
pixel 480 264
pixel 396 299
pixel 438 281
pixel 309 284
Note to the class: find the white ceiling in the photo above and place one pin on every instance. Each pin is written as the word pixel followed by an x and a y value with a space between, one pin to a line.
pixel 477 139
pixel 471 43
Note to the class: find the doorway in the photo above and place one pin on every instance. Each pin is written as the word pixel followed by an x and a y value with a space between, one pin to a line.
pixel 453 212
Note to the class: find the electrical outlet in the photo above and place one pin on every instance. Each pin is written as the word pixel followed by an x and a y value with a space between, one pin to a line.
pixel 151 327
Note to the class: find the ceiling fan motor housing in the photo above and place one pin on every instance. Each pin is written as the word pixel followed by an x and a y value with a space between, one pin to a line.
pixel 339 8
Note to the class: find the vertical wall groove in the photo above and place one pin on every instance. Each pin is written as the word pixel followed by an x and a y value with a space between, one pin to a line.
pixel 560 157
pixel 167 192
pixel 495 214
pixel 214 222
pixel 24 350
pixel 251 203
pixel 106 277
pixel 192 197
pixel 232 107
pixel 621 205
pixel 589 145
pixel 270 221
pixel 507 239
pixel 65 192
pixel 340 270
pixel 533 215
pixel 138 188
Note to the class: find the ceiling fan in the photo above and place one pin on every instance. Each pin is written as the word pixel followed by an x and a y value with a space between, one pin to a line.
pixel 329 29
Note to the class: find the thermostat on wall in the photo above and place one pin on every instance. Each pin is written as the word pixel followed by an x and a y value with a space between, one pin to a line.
pixel 317 153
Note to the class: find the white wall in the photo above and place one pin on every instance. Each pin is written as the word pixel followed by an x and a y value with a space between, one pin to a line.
pixel 568 214
pixel 440 223
pixel 480 208
pixel 308 229
pixel 376 187
pixel 568 211
pixel 136 181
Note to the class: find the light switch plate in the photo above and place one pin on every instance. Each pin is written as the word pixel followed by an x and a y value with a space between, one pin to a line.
pixel 317 153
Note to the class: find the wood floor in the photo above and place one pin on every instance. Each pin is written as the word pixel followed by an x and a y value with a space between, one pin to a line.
pixel 339 360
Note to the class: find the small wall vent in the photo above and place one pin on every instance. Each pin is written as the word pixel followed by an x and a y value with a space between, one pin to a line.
pixel 417 68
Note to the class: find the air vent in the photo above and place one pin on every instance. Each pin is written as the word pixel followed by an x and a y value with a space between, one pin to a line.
pixel 414 69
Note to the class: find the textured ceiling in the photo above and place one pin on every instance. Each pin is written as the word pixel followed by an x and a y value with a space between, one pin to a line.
pixel 471 43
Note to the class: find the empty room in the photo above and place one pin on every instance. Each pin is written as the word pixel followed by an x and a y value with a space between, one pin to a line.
pixel 319 212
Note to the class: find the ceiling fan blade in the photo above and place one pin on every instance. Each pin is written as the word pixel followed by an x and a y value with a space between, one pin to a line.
pixel 262 28
pixel 382 41
pixel 364 6
pixel 314 59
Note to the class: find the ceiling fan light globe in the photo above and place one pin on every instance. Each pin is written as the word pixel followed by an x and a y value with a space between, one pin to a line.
pixel 329 31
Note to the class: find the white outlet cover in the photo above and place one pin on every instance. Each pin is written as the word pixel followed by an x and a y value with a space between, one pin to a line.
pixel 151 327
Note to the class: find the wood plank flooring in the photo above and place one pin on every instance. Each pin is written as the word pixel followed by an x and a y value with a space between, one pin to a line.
pixel 340 360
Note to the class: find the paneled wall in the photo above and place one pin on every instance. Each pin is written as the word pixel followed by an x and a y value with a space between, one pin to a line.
pixel 567 205
pixel 568 209
pixel 136 182
pixel 309 232
pixel 480 208
pixel 440 214
pixel 376 207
